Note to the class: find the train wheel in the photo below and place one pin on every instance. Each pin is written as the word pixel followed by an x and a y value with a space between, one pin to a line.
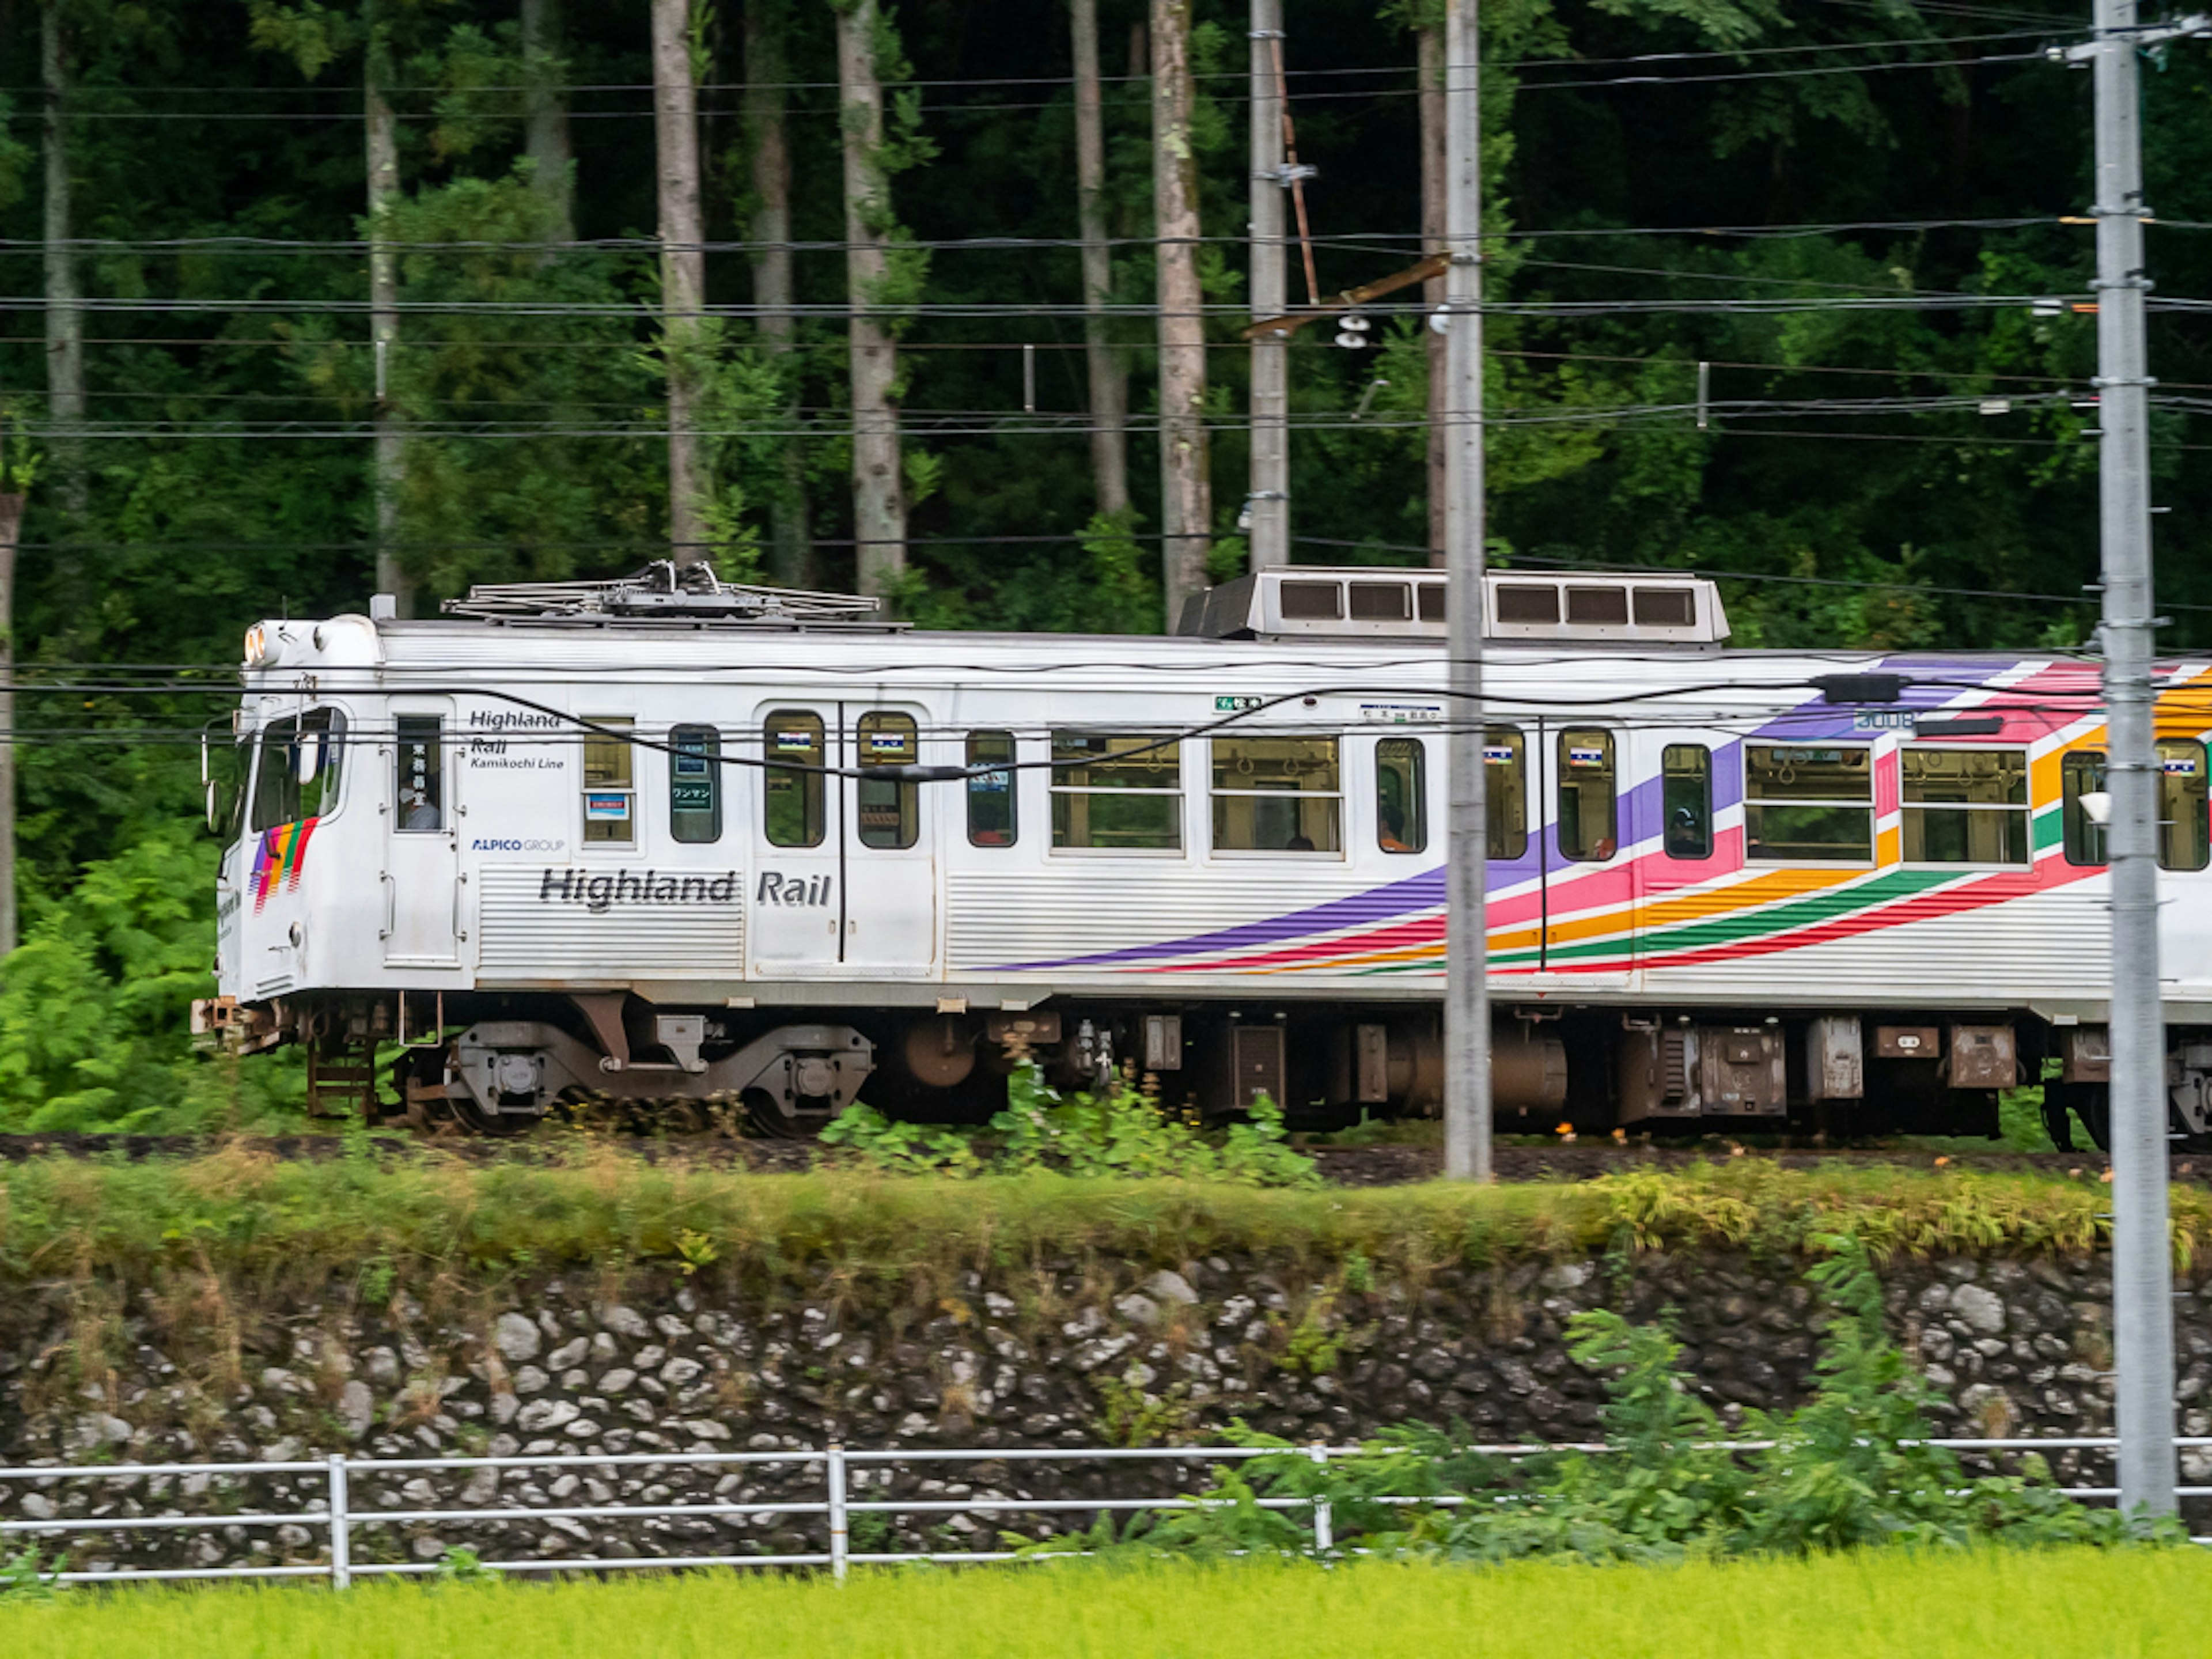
pixel 770 1121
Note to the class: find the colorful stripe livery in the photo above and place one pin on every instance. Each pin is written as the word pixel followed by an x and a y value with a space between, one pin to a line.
pixel 279 857
pixel 1646 910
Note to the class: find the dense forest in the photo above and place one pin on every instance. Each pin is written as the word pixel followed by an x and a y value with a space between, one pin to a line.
pixel 311 299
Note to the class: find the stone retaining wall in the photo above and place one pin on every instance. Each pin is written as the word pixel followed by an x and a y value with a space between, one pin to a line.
pixel 1051 1354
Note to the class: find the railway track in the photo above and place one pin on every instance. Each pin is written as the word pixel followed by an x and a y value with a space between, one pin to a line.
pixel 1345 1166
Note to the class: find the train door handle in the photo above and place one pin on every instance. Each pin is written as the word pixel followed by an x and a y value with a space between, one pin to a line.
pixel 391 892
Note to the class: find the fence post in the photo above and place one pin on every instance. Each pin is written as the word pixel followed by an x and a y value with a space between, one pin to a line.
pixel 835 1463
pixel 1324 1516
pixel 341 1526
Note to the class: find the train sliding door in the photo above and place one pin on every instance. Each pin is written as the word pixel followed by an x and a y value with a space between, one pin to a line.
pixel 1588 915
pixel 844 869
pixel 796 909
pixel 891 854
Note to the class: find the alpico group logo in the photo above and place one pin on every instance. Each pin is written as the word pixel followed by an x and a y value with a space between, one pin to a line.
pixel 279 856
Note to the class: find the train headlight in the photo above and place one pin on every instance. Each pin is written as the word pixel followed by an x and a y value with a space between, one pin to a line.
pixel 257 645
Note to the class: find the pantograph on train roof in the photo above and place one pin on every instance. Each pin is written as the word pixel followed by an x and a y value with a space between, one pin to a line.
pixel 666 591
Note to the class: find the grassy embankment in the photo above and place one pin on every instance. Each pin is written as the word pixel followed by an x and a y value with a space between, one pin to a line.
pixel 240 1215
pixel 2142 1604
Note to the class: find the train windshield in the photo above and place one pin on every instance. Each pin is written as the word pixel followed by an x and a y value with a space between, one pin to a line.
pixel 300 768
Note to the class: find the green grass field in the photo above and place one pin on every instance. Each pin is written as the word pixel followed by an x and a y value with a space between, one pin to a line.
pixel 2132 1604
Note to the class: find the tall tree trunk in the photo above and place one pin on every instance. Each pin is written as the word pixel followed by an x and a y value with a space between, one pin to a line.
pixel 768 152
pixel 1430 55
pixel 878 489
pixel 11 530
pixel 1109 384
pixel 682 272
pixel 1186 490
pixel 546 116
pixel 391 461
pixel 65 402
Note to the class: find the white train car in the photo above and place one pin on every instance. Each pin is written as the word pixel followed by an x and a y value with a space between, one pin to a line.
pixel 665 841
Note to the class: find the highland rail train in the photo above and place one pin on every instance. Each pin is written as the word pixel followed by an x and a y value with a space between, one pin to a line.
pixel 669 841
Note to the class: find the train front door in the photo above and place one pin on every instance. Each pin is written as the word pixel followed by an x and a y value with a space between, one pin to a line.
pixel 423 914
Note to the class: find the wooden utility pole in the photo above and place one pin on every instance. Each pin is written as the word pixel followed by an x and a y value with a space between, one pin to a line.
pixel 1429 52
pixel 390 478
pixel 546 116
pixel 1186 489
pixel 878 486
pixel 682 272
pixel 768 153
pixel 65 400
pixel 1109 386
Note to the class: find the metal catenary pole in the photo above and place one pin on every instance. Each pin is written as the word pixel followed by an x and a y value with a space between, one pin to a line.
pixel 1268 503
pixel 2142 1273
pixel 1466 1011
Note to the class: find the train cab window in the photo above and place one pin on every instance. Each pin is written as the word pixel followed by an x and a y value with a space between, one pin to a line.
pixel 1804 805
pixel 695 785
pixel 1965 806
pixel 1505 791
pixel 1276 795
pixel 991 794
pixel 1686 800
pixel 2082 774
pixel 890 810
pixel 420 785
pixel 2181 806
pixel 610 791
pixel 300 763
pixel 1116 790
pixel 1587 834
pixel 1402 795
pixel 791 794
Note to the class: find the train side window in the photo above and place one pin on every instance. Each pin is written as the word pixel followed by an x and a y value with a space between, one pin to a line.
pixel 695 785
pixel 1686 800
pixel 609 794
pixel 2081 772
pixel 301 760
pixel 990 818
pixel 890 810
pixel 1116 790
pixel 1965 806
pixel 2182 843
pixel 1808 806
pixel 420 784
pixel 1276 795
pixel 792 792
pixel 1505 791
pixel 1587 831
pixel 1402 795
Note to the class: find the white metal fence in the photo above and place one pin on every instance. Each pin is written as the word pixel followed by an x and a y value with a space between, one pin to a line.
pixel 335 1513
